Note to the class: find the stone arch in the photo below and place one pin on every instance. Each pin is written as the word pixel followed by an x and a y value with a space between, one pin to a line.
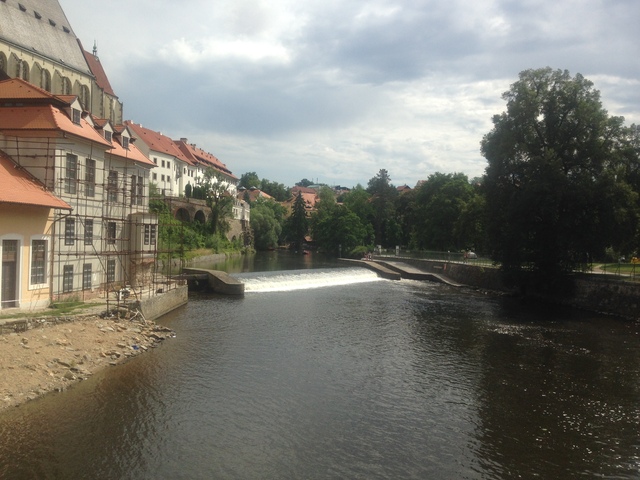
pixel 200 217
pixel 182 214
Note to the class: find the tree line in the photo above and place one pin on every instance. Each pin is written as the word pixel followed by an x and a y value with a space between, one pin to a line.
pixel 560 190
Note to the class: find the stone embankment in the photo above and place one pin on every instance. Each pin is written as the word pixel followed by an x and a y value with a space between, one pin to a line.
pixel 43 355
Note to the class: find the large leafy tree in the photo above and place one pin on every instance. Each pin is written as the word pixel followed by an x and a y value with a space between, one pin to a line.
pixel 553 196
pixel 383 196
pixel 334 227
pixel 440 203
pixel 214 187
pixel 249 179
pixel 266 223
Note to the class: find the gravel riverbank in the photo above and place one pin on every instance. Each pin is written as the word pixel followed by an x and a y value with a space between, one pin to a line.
pixel 50 354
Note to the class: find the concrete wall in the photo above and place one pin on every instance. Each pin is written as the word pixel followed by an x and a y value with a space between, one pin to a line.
pixel 592 292
pixel 160 304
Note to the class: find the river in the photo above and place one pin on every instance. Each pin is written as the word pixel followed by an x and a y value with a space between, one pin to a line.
pixel 321 372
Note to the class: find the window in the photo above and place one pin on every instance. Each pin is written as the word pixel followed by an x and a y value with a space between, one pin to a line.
pixel 163 178
pixel 140 190
pixel 150 234
pixel 69 231
pixel 67 279
pixel 155 176
pixel 125 142
pixel 86 276
pixel 71 174
pixel 76 115
pixel 90 178
pixel 111 271
pixel 168 178
pixel 168 164
pixel 38 262
pixel 163 162
pixel 107 135
pixel 133 189
pixel 111 233
pixel 112 186
pixel 88 232
pixel 155 160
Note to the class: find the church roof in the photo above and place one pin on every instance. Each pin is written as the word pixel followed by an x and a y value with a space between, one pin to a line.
pixel 98 72
pixel 20 187
pixel 40 26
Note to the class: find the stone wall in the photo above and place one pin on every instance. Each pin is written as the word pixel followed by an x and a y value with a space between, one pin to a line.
pixel 160 304
pixel 592 292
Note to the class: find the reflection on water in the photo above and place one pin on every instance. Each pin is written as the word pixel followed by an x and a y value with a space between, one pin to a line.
pixel 378 379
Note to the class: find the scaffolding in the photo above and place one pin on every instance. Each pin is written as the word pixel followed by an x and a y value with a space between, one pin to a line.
pixel 108 246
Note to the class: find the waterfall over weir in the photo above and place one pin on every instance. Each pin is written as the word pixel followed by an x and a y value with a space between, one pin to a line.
pixel 288 280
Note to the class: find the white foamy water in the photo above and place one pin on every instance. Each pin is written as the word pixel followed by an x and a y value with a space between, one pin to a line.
pixel 305 279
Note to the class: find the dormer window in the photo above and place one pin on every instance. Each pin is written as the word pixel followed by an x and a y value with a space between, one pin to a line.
pixel 125 142
pixel 22 7
pixel 107 135
pixel 76 115
pixel 37 15
pixel 52 23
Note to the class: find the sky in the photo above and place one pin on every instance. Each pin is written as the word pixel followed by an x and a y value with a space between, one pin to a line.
pixel 335 90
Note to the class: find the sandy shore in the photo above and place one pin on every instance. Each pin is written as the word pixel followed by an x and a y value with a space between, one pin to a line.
pixel 56 352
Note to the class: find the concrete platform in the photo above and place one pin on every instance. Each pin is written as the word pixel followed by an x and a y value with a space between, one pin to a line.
pixel 381 270
pixel 218 281
pixel 413 273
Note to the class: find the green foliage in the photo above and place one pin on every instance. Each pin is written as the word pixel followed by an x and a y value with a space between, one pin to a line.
pixel 383 196
pixel 336 229
pixel 277 190
pixel 248 180
pixel 297 225
pixel 553 196
pixel 304 183
pixel 266 223
pixel 214 187
pixel 439 206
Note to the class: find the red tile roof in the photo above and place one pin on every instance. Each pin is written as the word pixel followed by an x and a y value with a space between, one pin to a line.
pixel 20 187
pixel 45 120
pixel 200 156
pixel 96 68
pixel 17 89
pixel 132 153
pixel 157 142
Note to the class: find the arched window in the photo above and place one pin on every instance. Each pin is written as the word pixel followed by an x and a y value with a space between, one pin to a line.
pixel 66 86
pixel 22 70
pixel 84 97
pixel 45 80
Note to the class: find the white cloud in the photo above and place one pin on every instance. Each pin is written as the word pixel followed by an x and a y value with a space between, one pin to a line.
pixel 337 89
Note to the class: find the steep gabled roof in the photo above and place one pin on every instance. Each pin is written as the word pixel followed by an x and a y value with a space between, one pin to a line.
pixel 157 142
pixel 40 26
pixel 204 158
pixel 20 187
pixel 98 72
pixel 132 152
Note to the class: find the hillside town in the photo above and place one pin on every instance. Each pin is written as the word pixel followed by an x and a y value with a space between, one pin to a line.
pixel 76 177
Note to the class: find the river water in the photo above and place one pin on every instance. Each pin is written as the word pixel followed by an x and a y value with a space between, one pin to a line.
pixel 322 373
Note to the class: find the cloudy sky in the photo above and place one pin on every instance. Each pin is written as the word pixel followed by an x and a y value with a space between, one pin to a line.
pixel 335 90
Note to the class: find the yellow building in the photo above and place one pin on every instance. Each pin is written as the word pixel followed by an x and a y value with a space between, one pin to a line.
pixel 26 237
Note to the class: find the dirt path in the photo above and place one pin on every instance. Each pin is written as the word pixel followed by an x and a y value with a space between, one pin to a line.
pixel 57 352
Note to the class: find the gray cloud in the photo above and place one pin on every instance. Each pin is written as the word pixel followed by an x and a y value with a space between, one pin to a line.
pixel 337 89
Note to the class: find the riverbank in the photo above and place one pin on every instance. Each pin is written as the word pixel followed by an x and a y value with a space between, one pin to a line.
pixel 61 351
